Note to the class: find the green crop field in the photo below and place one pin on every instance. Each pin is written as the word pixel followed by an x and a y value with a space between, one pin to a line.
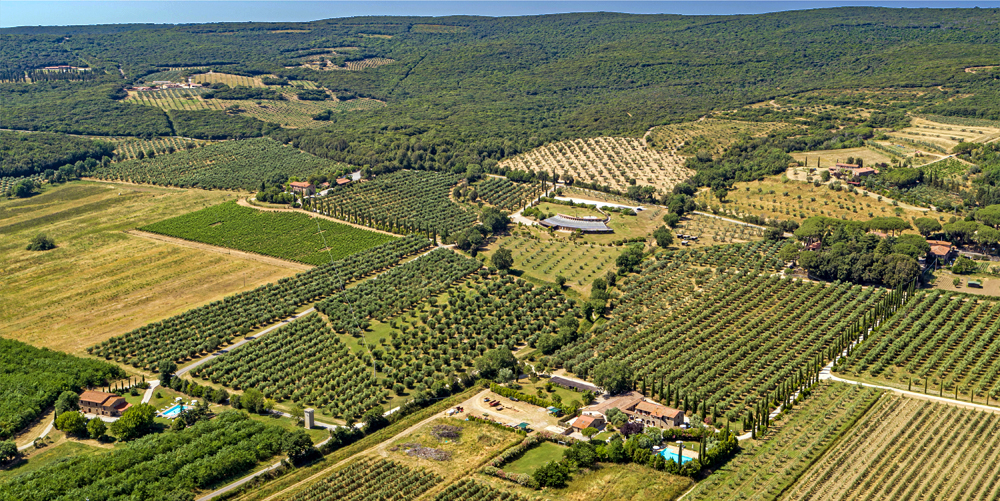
pixel 229 165
pixel 294 236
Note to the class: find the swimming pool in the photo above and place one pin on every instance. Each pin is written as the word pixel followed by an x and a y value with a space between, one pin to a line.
pixel 669 454
pixel 174 411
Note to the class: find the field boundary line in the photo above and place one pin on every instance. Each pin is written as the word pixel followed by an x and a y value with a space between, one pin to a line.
pixel 252 256
pixel 246 203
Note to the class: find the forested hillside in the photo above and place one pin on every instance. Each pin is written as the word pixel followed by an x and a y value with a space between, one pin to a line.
pixel 492 87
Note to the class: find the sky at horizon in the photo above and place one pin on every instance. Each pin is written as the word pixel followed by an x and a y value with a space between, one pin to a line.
pixel 72 12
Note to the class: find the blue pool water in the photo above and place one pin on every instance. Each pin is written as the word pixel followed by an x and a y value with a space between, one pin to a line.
pixel 669 454
pixel 174 411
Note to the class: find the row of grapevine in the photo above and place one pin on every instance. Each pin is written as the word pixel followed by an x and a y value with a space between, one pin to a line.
pixel 171 465
pixel 471 490
pixel 730 339
pixel 288 235
pixel 404 201
pixel 502 193
pixel 304 362
pixel 206 328
pixel 482 314
pixel 369 479
pixel 764 471
pixel 229 165
pixel 946 337
pixel 396 290
pixel 910 449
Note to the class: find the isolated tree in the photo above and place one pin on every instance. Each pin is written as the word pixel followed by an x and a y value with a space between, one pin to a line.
pixel 167 369
pixel 581 453
pixel 374 419
pixel 495 220
pixel 24 189
pixel 134 422
pixel 927 226
pixel 71 423
pixel 503 259
pixel 8 450
pixel 560 281
pixel 671 219
pixel 789 252
pixel 552 474
pixel 96 428
pixel 663 236
pixel 41 242
pixel 590 431
pixel 613 376
pixel 252 400
pixel 629 259
pixel 297 445
pixel 297 412
pixel 67 401
pixel 493 360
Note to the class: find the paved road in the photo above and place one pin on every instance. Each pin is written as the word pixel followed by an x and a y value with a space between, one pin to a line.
pixel 149 392
pixel 239 343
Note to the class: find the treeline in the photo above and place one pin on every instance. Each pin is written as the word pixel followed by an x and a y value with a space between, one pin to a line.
pixel 24 154
pixel 31 379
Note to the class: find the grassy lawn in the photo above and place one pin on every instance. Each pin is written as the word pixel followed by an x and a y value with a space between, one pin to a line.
pixel 317 434
pixel 536 457
pixel 100 282
pixel 550 208
pixel 48 455
pixel 548 256
pixel 566 394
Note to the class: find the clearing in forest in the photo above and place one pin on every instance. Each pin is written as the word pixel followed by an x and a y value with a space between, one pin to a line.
pixel 99 281
pixel 607 161
pixel 906 448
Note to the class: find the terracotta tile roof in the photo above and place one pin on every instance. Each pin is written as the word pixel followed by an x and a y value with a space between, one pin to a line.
pixel 98 397
pixel 342 181
pixel 583 422
pixel 302 184
pixel 657 410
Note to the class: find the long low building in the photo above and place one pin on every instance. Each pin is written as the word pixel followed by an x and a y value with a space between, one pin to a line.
pixel 569 223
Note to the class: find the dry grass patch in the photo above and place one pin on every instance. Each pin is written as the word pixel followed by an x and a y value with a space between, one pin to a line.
pixel 822 159
pixel 99 281
pixel 945 136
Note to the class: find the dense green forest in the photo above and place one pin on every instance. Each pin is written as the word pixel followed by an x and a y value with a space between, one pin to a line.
pixel 24 154
pixel 493 87
pixel 32 378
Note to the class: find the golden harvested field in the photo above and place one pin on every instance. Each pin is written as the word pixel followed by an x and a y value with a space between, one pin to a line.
pixel 292 112
pixel 905 448
pixel 945 136
pixel 794 200
pixel 710 134
pixel 828 158
pixel 98 281
pixel 610 161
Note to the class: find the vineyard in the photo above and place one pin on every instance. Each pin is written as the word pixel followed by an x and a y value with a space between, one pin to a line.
pixel 370 480
pixel 709 229
pixel 129 148
pixel 506 195
pixel 580 264
pixel 910 449
pixel 482 314
pixel 397 289
pixel 763 470
pixel 711 135
pixel 305 362
pixel 204 329
pixel 288 235
pixel 942 337
pixel 364 64
pixel 729 337
pixel 159 466
pixel 230 80
pixel 609 161
pixel 404 201
pixel 470 490
pixel 229 165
